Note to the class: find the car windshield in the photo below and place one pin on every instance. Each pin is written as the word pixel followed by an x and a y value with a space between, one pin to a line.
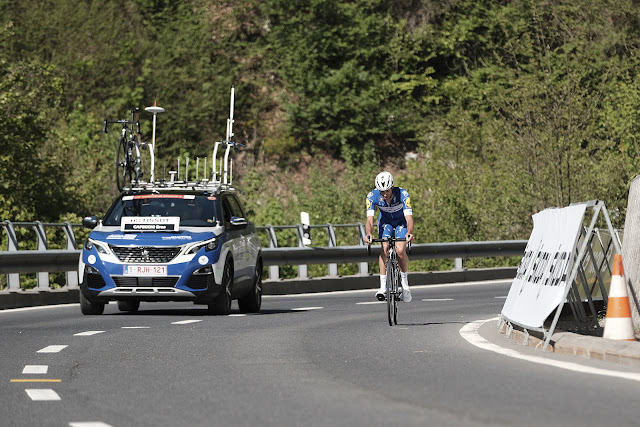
pixel 194 211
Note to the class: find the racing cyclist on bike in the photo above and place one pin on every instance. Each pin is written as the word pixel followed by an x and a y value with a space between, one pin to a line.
pixel 395 220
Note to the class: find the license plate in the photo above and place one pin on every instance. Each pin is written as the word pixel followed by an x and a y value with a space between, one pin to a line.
pixel 145 270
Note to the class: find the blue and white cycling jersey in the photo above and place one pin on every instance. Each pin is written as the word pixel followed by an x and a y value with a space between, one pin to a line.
pixel 390 213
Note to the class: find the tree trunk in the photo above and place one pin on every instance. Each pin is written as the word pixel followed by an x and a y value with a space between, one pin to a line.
pixel 631 250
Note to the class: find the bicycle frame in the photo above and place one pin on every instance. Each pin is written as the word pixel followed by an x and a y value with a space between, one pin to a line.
pixel 394 294
pixel 129 142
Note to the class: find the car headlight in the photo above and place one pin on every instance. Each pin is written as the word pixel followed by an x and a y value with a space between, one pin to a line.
pixel 100 247
pixel 209 245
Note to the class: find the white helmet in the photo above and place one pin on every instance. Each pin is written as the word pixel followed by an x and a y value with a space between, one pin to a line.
pixel 384 181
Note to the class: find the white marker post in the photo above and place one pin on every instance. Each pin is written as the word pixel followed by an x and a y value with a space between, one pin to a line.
pixel 155 110
pixel 306 231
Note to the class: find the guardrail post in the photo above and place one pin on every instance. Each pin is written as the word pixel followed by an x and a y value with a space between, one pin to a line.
pixel 303 271
pixel 333 268
pixel 71 276
pixel 274 270
pixel 13 279
pixel 458 264
pixel 43 278
pixel 364 267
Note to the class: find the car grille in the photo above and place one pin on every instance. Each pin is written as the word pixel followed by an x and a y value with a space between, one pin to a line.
pixel 145 254
pixel 159 282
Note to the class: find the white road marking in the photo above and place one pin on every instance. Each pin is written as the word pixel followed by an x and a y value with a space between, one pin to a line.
pixel 470 333
pixel 41 307
pixel 237 315
pixel 501 297
pixel 89 424
pixel 42 394
pixel 135 327
pixel 306 308
pixel 87 333
pixel 35 369
pixel 53 349
pixel 185 322
pixel 437 299
pixel 371 302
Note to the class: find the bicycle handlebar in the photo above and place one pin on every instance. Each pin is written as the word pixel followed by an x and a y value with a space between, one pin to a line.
pixel 122 122
pixel 388 240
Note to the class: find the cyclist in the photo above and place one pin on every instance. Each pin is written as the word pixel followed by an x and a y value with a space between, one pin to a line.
pixel 395 220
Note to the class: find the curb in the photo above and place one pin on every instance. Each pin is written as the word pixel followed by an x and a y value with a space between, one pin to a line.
pixel 370 281
pixel 591 347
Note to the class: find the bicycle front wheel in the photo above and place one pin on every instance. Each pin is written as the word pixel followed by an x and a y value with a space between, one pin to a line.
pixel 123 170
pixel 391 294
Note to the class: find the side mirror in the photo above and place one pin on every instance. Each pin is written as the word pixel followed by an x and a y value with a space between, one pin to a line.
pixel 237 220
pixel 90 222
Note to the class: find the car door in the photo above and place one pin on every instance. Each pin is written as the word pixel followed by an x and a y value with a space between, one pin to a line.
pixel 235 233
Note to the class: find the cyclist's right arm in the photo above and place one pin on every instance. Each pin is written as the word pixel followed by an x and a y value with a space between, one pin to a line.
pixel 368 228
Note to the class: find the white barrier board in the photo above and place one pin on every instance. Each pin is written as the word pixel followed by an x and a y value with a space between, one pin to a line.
pixel 541 280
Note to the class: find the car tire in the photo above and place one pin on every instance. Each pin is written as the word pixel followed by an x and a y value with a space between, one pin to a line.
pixel 221 305
pixel 251 302
pixel 90 308
pixel 128 305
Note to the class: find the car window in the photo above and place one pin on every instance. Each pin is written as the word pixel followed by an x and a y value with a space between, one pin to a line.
pixel 236 208
pixel 196 211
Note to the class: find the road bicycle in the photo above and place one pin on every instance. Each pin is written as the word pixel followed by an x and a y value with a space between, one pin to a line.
pixel 128 165
pixel 394 290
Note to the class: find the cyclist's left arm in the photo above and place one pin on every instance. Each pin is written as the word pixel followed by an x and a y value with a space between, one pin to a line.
pixel 408 214
pixel 410 236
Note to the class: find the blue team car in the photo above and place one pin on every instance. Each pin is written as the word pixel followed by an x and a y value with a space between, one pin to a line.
pixel 173 243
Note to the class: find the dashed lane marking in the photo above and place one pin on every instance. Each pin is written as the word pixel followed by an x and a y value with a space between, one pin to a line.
pixel 437 299
pixel 306 308
pixel 185 322
pixel 87 333
pixel 470 333
pixel 42 394
pixel 501 297
pixel 238 315
pixel 35 380
pixel 135 327
pixel 371 302
pixel 35 369
pixel 89 424
pixel 53 349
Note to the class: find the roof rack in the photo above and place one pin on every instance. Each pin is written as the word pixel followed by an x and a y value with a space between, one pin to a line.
pixel 219 179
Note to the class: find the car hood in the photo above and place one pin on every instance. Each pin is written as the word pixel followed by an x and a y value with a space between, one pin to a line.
pixel 118 238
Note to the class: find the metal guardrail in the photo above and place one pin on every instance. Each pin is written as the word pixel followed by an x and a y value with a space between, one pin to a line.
pixel 43 261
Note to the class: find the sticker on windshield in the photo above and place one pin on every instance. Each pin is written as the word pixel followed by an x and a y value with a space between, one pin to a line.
pixel 150 223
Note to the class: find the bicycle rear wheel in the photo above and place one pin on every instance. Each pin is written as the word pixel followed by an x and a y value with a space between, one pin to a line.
pixel 396 284
pixel 123 171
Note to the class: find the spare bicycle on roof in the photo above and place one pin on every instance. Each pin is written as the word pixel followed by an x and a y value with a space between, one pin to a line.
pixel 128 164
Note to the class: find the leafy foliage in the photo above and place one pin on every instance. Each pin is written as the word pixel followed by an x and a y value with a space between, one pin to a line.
pixel 487 112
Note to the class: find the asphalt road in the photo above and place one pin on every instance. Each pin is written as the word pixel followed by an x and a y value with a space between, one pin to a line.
pixel 306 360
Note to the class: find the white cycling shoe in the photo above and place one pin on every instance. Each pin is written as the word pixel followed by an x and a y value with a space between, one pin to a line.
pixel 406 295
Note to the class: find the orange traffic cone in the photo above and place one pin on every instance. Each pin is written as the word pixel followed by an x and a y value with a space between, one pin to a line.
pixel 618 324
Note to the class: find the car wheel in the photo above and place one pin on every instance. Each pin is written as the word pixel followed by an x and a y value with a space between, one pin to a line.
pixel 252 302
pixel 90 308
pixel 128 305
pixel 222 304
